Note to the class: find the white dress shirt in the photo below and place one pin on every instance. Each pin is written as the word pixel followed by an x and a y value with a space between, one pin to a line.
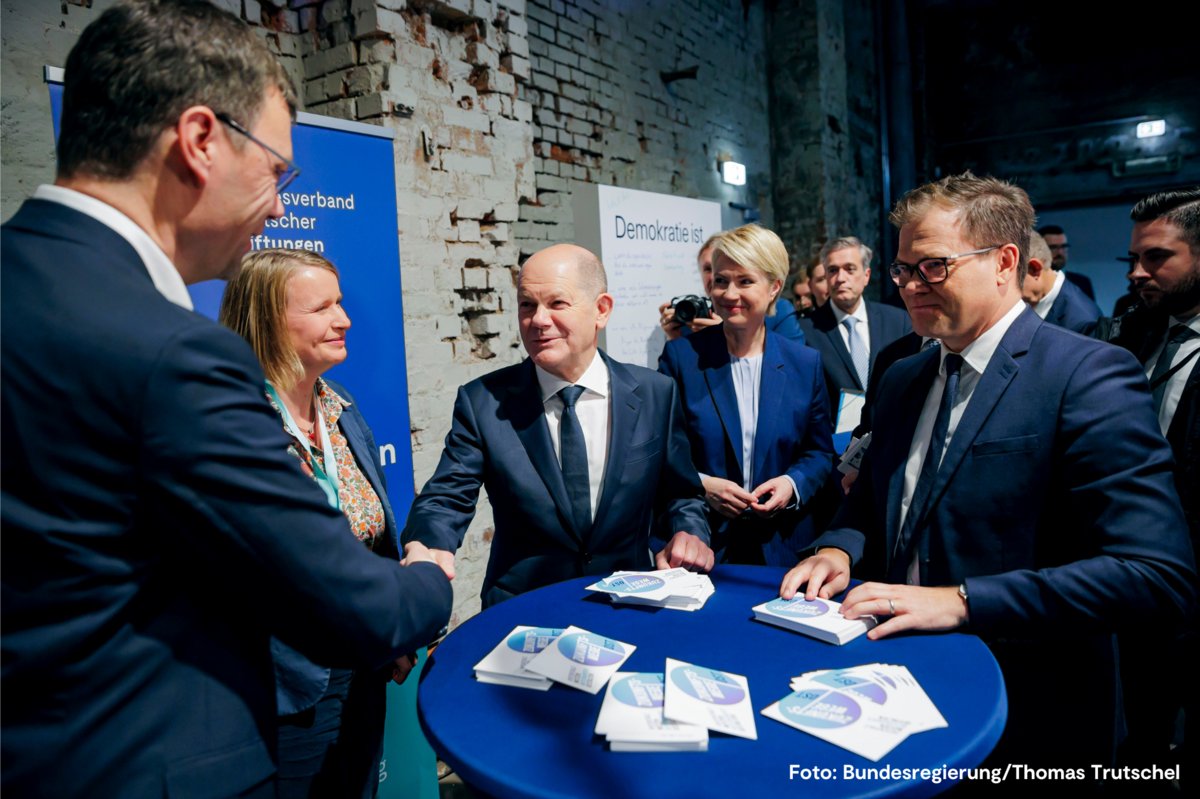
pixel 747 378
pixel 594 413
pixel 976 357
pixel 162 272
pixel 1044 305
pixel 1178 380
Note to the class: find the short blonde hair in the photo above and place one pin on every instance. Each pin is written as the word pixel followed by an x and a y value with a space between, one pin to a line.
pixel 1039 249
pixel 255 307
pixel 755 247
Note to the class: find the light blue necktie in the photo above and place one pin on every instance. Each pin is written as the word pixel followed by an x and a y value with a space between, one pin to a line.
pixel 858 351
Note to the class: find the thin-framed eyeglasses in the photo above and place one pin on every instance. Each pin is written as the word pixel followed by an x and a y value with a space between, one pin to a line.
pixel 288 175
pixel 931 270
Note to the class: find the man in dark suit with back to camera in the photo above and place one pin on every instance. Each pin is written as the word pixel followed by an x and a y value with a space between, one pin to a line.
pixel 156 530
pixel 1017 486
pixel 850 331
pixel 584 458
pixel 1164 334
pixel 1053 297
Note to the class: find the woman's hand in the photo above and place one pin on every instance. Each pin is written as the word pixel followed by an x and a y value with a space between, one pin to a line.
pixel 778 495
pixel 402 668
pixel 726 497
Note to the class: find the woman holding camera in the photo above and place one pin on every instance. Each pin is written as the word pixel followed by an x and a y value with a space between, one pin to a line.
pixel 783 321
pixel 755 406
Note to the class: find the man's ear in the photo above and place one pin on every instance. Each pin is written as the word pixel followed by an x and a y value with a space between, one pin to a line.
pixel 1006 269
pixel 1035 268
pixel 604 306
pixel 196 139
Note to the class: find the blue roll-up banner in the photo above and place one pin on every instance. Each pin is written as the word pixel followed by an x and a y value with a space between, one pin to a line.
pixel 343 206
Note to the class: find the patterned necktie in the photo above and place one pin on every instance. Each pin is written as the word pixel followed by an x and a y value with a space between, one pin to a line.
pixel 573 452
pixel 906 541
pixel 1177 335
pixel 858 350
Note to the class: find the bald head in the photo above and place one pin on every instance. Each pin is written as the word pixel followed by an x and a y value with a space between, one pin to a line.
pixel 581 266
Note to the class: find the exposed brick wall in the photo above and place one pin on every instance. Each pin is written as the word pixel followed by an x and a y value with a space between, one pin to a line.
pixel 602 113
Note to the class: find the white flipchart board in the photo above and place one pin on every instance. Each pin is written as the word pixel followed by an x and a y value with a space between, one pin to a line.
pixel 648 243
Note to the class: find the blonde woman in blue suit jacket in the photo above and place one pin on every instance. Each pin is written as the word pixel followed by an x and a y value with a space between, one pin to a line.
pixel 755 408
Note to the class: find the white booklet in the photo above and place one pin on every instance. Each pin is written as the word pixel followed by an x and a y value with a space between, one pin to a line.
pixel 676 588
pixel 581 659
pixel 868 710
pixel 820 618
pixel 505 664
pixel 714 699
pixel 631 717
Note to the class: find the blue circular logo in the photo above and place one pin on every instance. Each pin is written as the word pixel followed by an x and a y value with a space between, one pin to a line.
pixel 639 690
pixel 798 607
pixel 863 687
pixel 533 641
pixel 707 685
pixel 822 710
pixel 633 584
pixel 591 650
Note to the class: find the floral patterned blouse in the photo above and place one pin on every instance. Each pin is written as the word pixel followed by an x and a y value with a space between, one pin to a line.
pixel 358 499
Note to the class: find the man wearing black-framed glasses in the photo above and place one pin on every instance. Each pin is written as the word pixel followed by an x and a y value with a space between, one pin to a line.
pixel 1016 486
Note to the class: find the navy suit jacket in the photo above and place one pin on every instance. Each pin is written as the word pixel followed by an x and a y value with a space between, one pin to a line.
pixel 156 533
pixel 885 324
pixel 499 440
pixel 1082 282
pixel 1055 505
pixel 792 437
pixel 1074 310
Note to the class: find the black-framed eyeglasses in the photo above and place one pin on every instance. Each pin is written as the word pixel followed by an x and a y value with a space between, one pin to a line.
pixel 288 175
pixel 931 270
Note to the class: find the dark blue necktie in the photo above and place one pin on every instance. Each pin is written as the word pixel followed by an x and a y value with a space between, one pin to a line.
pixel 907 540
pixel 573 452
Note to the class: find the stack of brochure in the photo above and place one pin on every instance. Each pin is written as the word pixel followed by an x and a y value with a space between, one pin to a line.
pixel 717 700
pixel 820 618
pixel 632 720
pixel 505 664
pixel 581 659
pixel 677 588
pixel 868 709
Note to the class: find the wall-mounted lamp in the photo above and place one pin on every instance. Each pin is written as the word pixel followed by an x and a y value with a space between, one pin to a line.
pixel 733 173
pixel 1151 128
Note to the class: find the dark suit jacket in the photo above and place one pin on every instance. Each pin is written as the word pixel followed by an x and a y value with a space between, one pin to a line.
pixel 885 323
pixel 903 347
pixel 499 440
pixel 299 682
pixel 156 533
pixel 792 437
pixel 1082 282
pixel 1142 333
pixel 1055 505
pixel 1074 310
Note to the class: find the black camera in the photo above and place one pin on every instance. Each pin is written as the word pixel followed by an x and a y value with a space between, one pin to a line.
pixel 690 307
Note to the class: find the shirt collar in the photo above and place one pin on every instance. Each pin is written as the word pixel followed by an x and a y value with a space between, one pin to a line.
pixel 979 352
pixel 163 273
pixel 594 378
pixel 1046 303
pixel 860 313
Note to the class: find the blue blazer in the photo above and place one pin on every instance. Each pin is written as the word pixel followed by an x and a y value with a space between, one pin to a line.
pixel 1055 505
pixel 299 682
pixel 793 433
pixel 885 323
pixel 157 533
pixel 1074 310
pixel 499 440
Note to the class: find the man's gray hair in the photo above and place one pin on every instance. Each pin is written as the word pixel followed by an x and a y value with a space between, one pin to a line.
pixel 846 243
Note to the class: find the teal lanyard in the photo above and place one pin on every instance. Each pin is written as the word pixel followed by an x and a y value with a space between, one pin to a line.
pixel 325 474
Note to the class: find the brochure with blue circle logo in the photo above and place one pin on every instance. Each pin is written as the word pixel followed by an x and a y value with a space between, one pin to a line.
pixel 505 664
pixel 631 717
pixel 581 659
pixel 711 698
pixel 819 618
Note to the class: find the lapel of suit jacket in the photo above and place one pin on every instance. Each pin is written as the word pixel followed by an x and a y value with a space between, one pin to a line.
pixel 525 408
pixel 914 380
pixel 771 388
pixel 991 387
pixel 625 400
pixel 827 323
pixel 875 331
pixel 367 461
pixel 715 365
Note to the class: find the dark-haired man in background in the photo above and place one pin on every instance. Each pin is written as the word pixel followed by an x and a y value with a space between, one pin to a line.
pixel 156 531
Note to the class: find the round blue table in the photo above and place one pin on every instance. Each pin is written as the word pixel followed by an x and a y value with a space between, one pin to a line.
pixel 515 742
